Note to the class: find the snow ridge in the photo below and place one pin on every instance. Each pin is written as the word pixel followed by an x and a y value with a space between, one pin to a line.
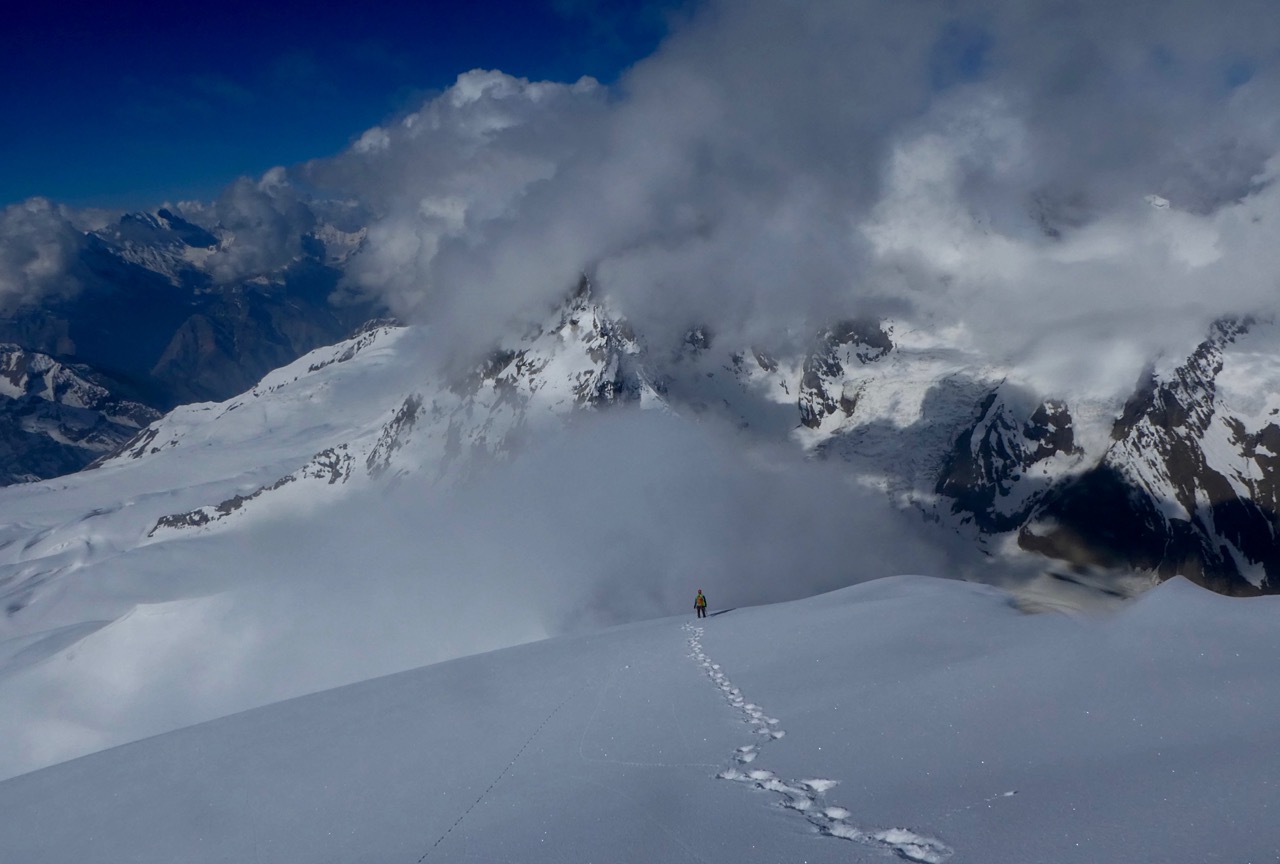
pixel 807 797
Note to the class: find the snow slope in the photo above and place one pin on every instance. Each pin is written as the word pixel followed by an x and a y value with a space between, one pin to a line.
pixel 909 717
pixel 344 518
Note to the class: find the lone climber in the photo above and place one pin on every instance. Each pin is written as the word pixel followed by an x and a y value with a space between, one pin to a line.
pixel 700 604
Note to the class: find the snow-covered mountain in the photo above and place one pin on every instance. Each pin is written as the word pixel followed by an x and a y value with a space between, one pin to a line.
pixel 905 719
pixel 1187 484
pixel 365 451
pixel 55 418
pixel 1178 480
pixel 581 360
pixel 314 443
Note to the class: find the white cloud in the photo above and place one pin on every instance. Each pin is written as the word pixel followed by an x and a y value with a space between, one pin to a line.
pixel 986 166
pixel 373 140
pixel 39 253
pixel 763 172
pixel 264 223
pixel 453 172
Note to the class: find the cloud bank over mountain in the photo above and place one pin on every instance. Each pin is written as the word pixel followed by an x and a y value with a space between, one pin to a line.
pixel 38 249
pixel 1049 179
pixel 1073 188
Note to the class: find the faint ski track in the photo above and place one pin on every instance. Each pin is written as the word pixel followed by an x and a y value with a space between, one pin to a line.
pixel 987 801
pixel 502 773
pixel 807 797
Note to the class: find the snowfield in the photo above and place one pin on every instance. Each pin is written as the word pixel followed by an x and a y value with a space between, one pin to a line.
pixel 907 718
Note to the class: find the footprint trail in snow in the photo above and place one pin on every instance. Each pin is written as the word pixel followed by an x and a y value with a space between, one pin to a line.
pixel 807 797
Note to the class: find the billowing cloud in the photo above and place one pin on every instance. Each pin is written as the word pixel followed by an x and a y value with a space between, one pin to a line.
pixel 766 171
pixel 450 173
pixel 39 253
pixel 262 224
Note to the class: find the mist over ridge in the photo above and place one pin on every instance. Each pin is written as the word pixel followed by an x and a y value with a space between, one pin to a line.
pixel 1048 181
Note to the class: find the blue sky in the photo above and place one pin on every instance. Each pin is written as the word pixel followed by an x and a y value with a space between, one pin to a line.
pixel 128 104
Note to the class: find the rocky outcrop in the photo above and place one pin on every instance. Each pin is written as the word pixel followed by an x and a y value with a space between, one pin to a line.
pixel 57 418
pixel 332 465
pixel 997 472
pixel 1187 487
pixel 394 435
pixel 821 386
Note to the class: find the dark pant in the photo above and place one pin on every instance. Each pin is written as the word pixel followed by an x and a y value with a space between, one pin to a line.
pixel 702 611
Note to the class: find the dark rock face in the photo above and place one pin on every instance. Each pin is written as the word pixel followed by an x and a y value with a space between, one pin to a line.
pixel 1049 429
pixel 1158 502
pixel 55 418
pixel 231 339
pixel 1101 519
pixel 985 474
pixel 865 341
pixel 393 435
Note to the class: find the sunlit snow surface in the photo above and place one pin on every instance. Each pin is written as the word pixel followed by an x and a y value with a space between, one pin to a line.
pixel 923 719
pixel 116 629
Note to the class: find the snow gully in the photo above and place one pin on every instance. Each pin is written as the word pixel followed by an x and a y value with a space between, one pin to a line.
pixel 807 797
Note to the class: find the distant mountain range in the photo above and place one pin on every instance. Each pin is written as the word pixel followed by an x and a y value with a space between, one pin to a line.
pixel 148 326
pixel 1179 479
